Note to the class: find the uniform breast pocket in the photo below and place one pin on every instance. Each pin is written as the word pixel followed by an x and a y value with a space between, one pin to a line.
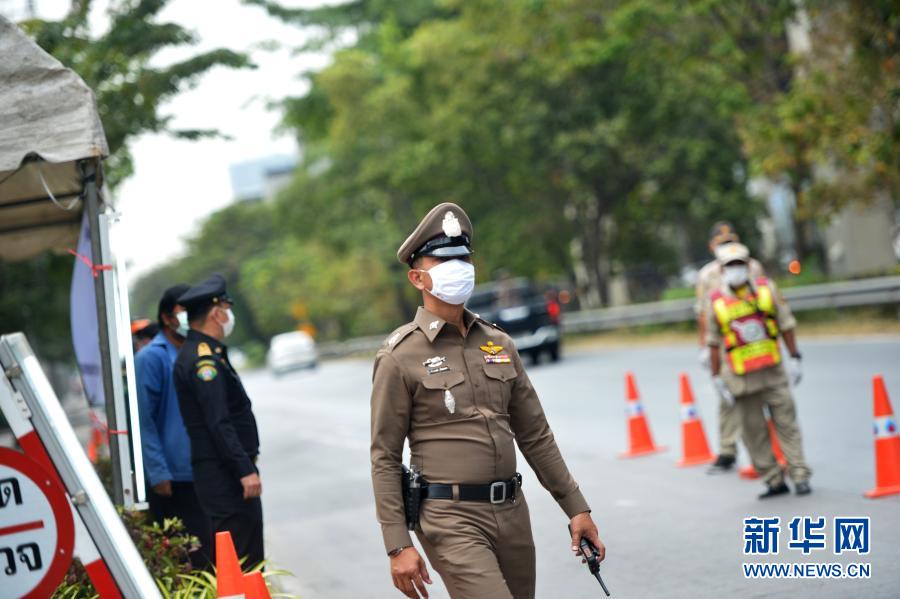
pixel 443 397
pixel 501 378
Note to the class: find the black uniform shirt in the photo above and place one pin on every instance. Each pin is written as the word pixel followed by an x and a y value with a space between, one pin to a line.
pixel 214 406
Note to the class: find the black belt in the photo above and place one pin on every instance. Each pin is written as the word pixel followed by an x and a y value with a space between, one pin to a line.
pixel 496 492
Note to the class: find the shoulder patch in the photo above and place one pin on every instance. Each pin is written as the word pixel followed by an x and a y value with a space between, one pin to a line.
pixel 206 371
pixel 399 335
pixel 203 349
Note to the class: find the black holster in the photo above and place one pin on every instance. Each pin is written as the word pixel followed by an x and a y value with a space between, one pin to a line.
pixel 413 487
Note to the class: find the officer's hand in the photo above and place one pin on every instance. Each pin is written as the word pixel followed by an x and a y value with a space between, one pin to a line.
pixel 703 358
pixel 723 390
pixel 583 526
pixel 252 486
pixel 163 489
pixel 410 573
pixel 795 370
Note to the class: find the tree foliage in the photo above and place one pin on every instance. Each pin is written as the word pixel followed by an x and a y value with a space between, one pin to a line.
pixel 130 94
pixel 116 64
pixel 590 141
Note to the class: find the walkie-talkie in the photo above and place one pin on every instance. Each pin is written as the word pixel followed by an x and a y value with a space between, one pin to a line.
pixel 593 560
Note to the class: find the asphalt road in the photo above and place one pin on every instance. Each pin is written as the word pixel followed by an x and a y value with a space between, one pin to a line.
pixel 670 532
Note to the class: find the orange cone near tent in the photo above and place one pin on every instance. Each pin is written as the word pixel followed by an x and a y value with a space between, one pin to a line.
pixel 255 586
pixel 887 444
pixel 229 578
pixel 694 448
pixel 640 441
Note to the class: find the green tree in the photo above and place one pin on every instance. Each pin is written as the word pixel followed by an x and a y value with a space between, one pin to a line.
pixel 116 64
pixel 130 93
pixel 835 133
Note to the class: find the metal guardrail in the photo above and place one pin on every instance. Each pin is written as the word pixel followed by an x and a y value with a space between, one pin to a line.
pixel 843 294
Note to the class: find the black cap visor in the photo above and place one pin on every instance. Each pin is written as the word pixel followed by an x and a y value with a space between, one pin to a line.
pixel 444 247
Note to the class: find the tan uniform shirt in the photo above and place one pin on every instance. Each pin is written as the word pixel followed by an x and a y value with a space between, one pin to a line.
pixel 710 278
pixel 757 380
pixel 471 441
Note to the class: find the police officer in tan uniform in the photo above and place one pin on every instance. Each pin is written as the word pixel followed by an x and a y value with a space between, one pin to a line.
pixel 746 319
pixel 709 279
pixel 454 386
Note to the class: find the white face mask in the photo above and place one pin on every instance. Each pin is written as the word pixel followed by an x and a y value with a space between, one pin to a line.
pixel 452 281
pixel 228 325
pixel 183 326
pixel 736 275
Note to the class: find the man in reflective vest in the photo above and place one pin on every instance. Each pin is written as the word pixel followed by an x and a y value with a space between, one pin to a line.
pixel 744 325
pixel 709 279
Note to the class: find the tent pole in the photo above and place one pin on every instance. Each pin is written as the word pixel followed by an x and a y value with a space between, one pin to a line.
pixel 92 205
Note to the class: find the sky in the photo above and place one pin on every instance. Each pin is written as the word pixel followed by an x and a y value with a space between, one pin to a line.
pixel 178 183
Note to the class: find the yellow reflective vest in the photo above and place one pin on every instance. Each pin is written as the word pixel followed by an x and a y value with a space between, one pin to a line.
pixel 749 327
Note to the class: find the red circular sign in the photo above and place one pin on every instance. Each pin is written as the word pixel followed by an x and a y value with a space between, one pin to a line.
pixel 37 532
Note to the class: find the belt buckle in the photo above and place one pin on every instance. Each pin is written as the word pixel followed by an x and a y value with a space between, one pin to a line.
pixel 498 485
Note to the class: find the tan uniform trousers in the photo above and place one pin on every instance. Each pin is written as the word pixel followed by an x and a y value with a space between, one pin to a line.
pixel 729 427
pixel 756 434
pixel 481 550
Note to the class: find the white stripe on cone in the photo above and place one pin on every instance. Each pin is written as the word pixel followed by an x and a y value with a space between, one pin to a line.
pixel 885 427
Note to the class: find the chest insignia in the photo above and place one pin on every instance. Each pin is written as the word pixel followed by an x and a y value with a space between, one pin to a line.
pixel 449 401
pixel 491 349
pixel 436 364
pixel 498 359
pixel 203 349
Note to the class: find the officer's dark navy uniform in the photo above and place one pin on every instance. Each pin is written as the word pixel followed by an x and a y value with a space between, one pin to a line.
pixel 221 426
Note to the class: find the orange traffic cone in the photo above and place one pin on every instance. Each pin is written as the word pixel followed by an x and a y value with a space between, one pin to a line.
pixel 748 472
pixel 640 441
pixel 256 586
pixel 695 449
pixel 229 578
pixel 887 444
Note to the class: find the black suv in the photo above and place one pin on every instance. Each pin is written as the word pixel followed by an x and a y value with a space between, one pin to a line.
pixel 529 313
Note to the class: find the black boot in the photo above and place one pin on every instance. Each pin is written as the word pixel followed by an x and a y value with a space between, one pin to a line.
pixel 775 490
pixel 802 488
pixel 723 463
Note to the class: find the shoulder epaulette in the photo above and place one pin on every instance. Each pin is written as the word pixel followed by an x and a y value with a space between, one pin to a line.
pixel 394 339
pixel 490 324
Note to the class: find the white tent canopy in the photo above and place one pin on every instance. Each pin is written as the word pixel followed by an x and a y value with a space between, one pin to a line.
pixel 48 125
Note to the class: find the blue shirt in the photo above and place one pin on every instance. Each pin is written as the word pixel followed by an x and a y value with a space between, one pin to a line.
pixel 165 443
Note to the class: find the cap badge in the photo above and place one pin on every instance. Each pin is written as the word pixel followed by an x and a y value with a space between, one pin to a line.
pixel 451 225
pixel 491 349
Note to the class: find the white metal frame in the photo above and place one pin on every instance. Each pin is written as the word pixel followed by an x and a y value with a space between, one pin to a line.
pixel 26 396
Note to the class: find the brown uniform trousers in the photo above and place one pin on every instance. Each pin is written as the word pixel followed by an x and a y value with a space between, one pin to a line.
pixel 480 550
pixel 464 401
pixel 781 408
